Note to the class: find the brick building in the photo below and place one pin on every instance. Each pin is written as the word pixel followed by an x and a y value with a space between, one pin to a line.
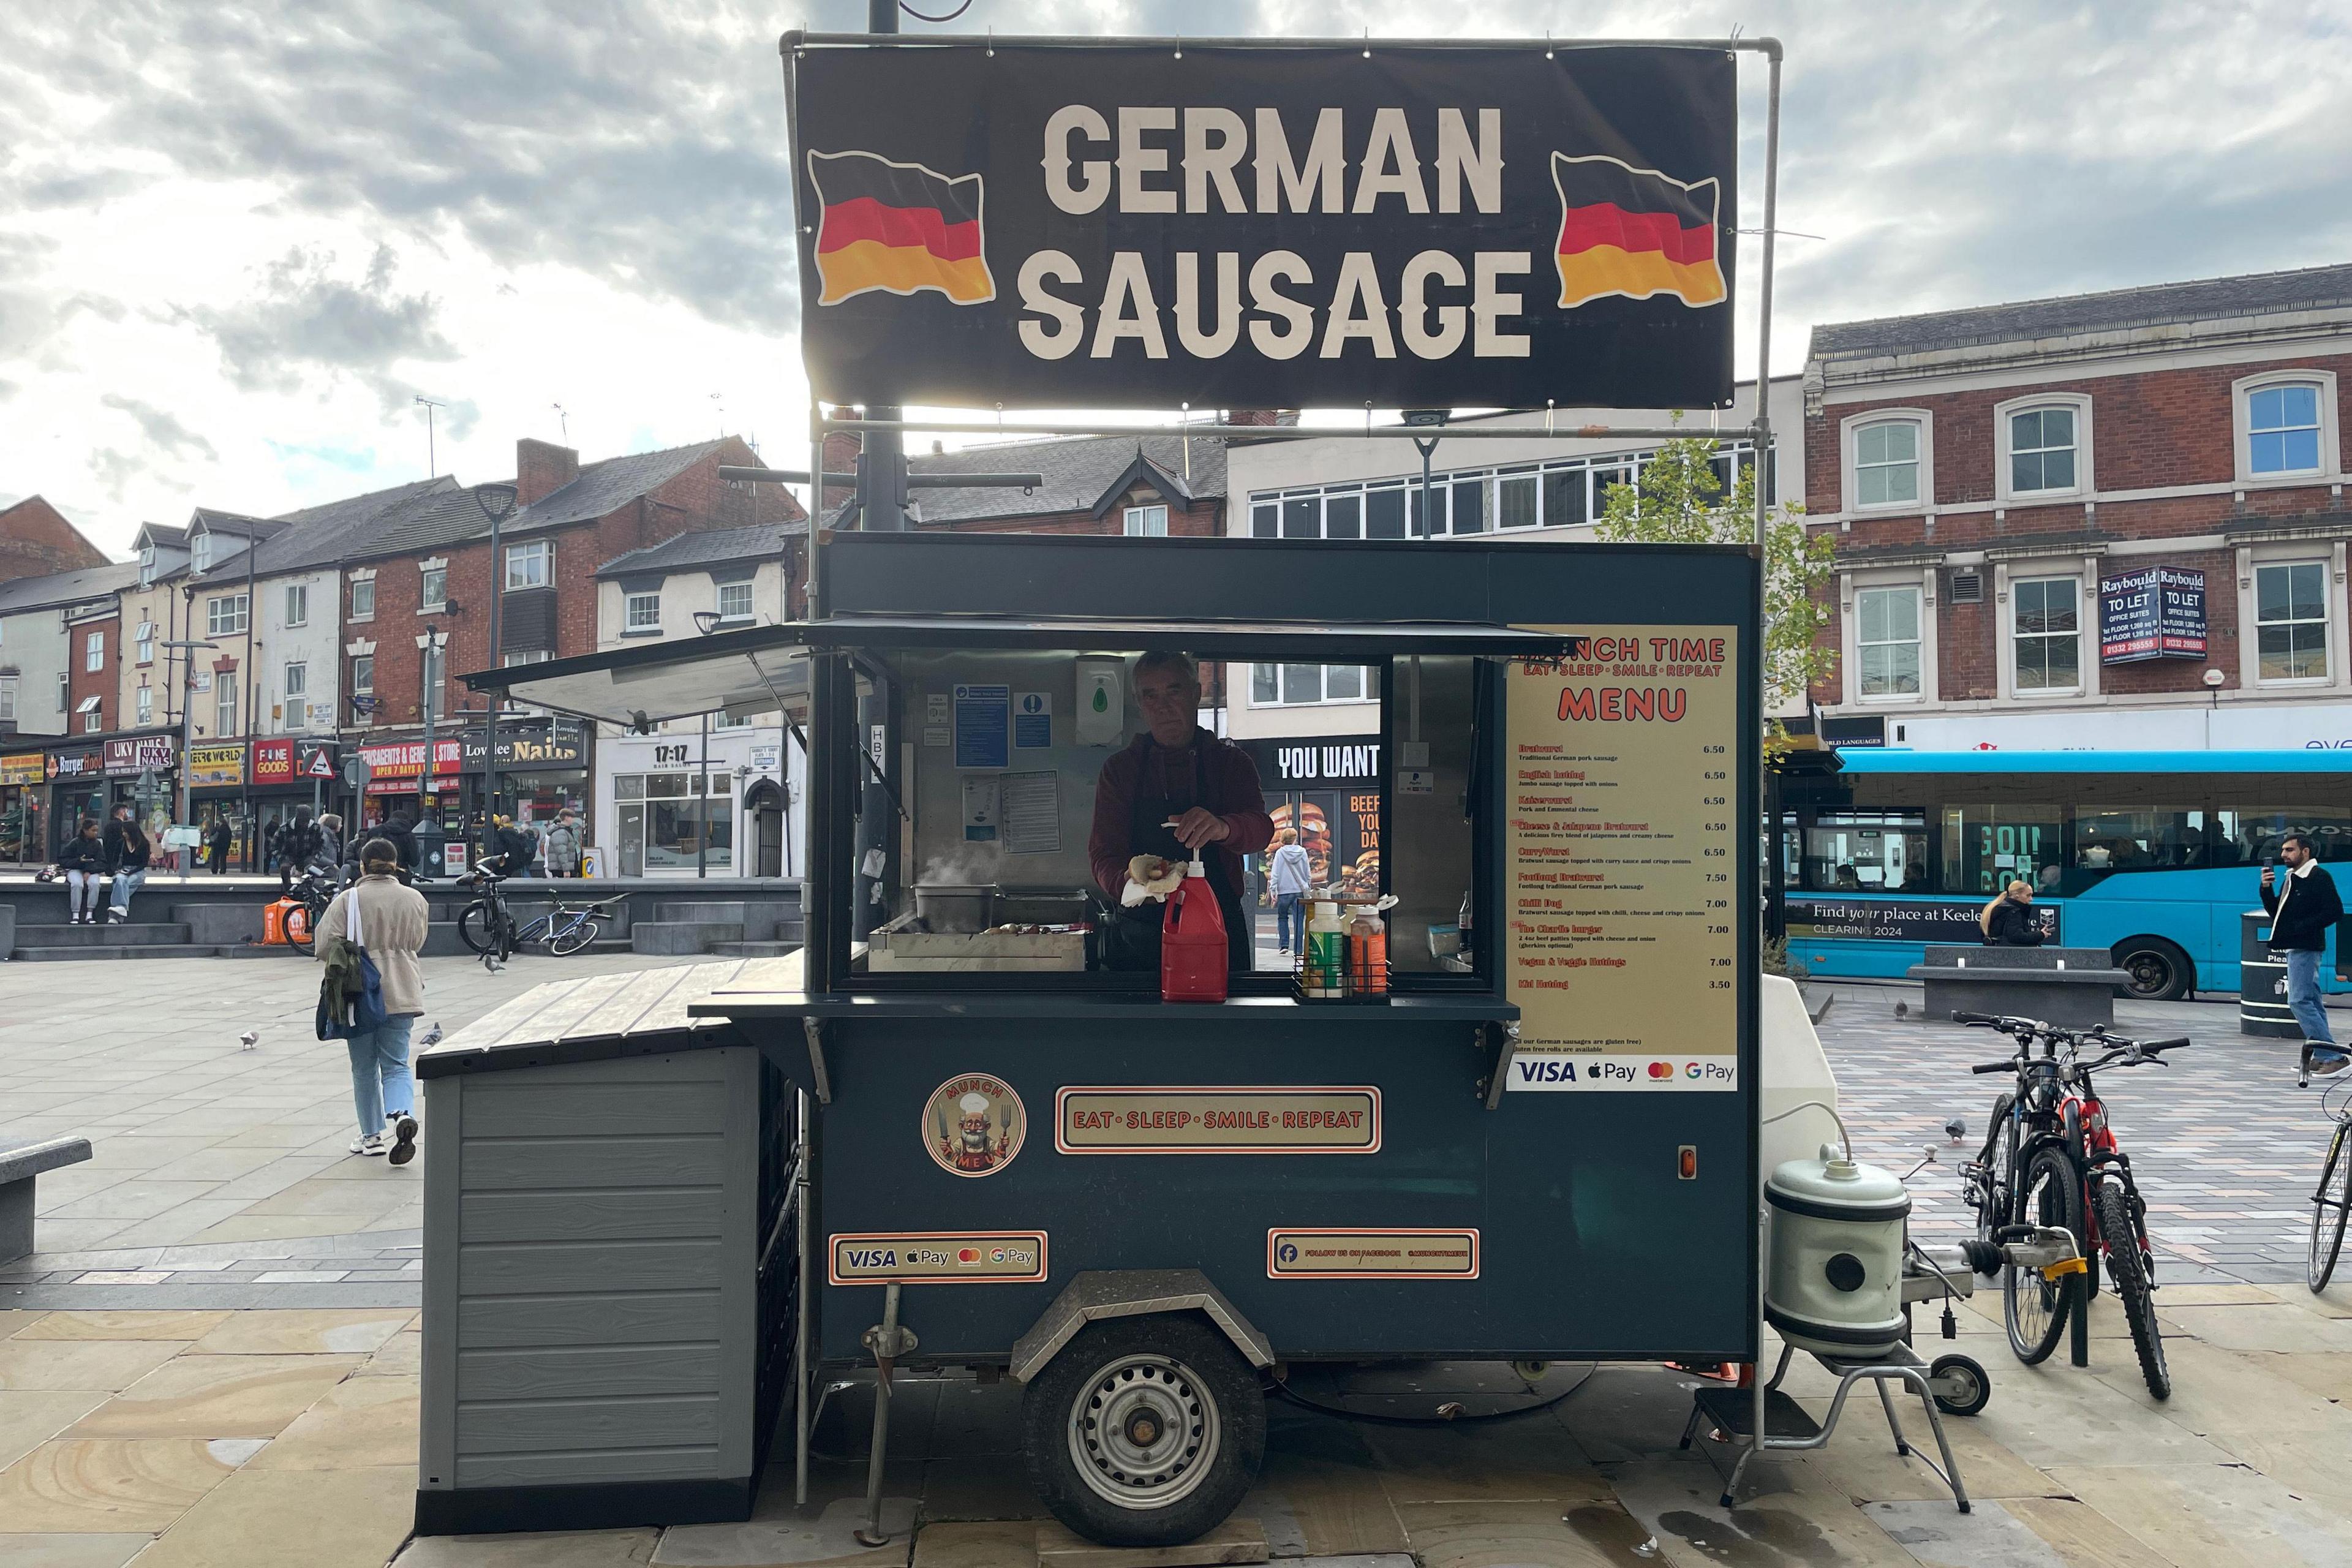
pixel 36 541
pixel 1985 471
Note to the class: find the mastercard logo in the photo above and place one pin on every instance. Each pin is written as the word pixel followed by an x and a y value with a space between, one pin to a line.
pixel 969 1255
pixel 1662 1069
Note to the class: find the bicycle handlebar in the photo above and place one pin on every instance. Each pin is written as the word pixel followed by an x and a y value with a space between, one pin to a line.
pixel 1981 1067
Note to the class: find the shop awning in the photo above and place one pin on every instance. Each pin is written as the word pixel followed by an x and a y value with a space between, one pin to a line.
pixel 744 672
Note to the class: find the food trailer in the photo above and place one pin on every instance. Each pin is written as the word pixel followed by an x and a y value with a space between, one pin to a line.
pixel 661 1207
pixel 961 1128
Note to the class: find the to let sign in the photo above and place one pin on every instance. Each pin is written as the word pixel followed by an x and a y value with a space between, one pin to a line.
pixel 2156 612
pixel 1058 226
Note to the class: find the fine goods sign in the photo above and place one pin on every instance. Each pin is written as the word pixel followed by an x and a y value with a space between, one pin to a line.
pixel 1056 224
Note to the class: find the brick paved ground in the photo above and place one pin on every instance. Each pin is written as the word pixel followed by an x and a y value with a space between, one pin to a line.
pixel 2224 1146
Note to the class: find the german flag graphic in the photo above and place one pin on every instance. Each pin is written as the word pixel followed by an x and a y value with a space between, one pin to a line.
pixel 896 227
pixel 1634 232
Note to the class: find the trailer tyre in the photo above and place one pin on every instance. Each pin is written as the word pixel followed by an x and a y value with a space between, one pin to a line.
pixel 1144 1431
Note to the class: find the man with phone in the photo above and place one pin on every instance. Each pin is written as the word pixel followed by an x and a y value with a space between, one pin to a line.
pixel 2303 907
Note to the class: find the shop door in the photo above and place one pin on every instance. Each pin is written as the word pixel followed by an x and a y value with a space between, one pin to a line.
pixel 766 805
pixel 633 838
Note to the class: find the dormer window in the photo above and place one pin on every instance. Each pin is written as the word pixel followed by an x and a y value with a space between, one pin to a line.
pixel 146 565
pixel 200 553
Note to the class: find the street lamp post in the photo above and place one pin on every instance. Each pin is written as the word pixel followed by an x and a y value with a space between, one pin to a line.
pixel 188 645
pixel 432 642
pixel 498 503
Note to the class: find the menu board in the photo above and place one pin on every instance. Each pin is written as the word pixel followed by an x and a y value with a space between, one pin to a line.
pixel 1620 904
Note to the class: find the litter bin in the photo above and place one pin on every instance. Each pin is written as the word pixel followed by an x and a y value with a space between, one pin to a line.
pixel 432 841
pixel 2262 983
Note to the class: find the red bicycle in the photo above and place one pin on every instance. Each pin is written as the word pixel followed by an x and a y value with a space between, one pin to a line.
pixel 2051 1158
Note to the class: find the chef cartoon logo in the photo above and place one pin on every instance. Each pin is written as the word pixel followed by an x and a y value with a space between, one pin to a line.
pixel 974 1125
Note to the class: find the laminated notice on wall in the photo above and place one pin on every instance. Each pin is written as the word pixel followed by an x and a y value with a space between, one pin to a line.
pixel 1620 944
pixel 983 808
pixel 1033 812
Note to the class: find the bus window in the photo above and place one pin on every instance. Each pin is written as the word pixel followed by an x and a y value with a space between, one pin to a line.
pixel 2250 836
pixel 1987 846
pixel 1874 852
pixel 2140 839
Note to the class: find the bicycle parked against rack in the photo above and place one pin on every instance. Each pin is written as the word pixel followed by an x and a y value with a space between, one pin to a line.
pixel 487 926
pixel 312 891
pixel 2051 1158
pixel 2327 1214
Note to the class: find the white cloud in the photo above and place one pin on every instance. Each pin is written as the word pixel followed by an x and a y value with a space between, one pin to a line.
pixel 236 244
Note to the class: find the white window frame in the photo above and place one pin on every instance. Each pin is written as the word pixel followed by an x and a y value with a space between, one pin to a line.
pixel 93 652
pixel 362 688
pixel 233 624
pixel 1149 520
pixel 1364 691
pixel 1849 590
pixel 2331 594
pixel 65 692
pixel 1849 432
pixel 433 586
pixel 352 604
pixel 146 565
pixel 8 698
pixel 144 701
pixel 631 626
pixel 2079 404
pixel 143 640
pixel 719 601
pixel 2331 442
pixel 509 660
pixel 541 550
pixel 225 705
pixel 298 604
pixel 200 553
pixel 2086 614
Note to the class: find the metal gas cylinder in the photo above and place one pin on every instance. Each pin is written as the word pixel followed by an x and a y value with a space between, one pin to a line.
pixel 1834 1275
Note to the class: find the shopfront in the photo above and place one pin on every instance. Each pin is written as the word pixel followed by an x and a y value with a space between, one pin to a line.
pixel 1328 787
pixel 77 791
pixel 138 770
pixel 216 793
pixel 675 805
pixel 397 782
pixel 24 808
pixel 542 769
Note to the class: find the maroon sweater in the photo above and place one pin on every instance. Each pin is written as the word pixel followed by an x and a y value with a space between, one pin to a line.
pixel 1210 772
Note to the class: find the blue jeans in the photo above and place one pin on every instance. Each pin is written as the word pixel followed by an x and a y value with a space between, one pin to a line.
pixel 1289 916
pixel 125 884
pixel 2302 995
pixel 379 1082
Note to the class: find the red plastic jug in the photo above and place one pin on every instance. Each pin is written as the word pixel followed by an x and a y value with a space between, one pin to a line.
pixel 1193 958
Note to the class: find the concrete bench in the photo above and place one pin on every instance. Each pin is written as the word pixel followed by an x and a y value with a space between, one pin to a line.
pixel 2071 986
pixel 21 1165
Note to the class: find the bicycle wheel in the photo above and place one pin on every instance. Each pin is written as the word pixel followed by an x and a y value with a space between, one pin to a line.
pixel 477 927
pixel 302 929
pixel 2326 1232
pixel 2033 1307
pixel 2000 1159
pixel 2127 1278
pixel 571 938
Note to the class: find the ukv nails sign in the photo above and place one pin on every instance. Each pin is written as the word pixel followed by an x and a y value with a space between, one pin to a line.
pixel 1066 225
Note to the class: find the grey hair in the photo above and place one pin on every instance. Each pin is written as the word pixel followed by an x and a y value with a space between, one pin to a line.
pixel 1168 658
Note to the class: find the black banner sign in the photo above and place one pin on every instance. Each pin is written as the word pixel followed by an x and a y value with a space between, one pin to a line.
pixel 2156 612
pixel 1316 762
pixel 1066 225
pixel 1814 918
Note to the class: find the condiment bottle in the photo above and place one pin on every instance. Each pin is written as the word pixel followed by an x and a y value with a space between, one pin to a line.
pixel 1368 952
pixel 1192 955
pixel 1327 951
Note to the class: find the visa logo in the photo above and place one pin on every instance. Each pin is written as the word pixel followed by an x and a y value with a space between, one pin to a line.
pixel 871 1257
pixel 1545 1069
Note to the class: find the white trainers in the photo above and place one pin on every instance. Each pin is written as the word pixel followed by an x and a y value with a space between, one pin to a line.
pixel 400 1128
pixel 373 1143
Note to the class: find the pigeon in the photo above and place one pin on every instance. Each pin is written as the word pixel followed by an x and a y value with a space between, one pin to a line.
pixel 1903 1009
pixel 247 1040
pixel 432 1037
pixel 1956 1130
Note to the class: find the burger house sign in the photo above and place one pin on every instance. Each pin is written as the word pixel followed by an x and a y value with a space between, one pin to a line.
pixel 1249 226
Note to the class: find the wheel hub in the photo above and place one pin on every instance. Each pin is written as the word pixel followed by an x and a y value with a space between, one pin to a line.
pixel 1142 1432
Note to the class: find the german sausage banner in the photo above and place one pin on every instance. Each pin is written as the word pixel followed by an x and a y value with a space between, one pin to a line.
pixel 1066 225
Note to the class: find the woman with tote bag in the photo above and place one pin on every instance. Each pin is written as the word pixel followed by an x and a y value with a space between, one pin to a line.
pixel 369 938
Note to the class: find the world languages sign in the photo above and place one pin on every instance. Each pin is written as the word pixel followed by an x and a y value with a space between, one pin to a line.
pixel 1064 226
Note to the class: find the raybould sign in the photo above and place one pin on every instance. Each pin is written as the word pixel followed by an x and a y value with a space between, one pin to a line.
pixel 1064 224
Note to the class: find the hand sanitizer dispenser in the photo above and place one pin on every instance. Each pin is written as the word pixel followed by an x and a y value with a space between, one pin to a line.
pixel 1101 703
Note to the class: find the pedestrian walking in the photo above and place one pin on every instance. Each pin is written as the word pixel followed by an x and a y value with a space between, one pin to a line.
pixel 399 831
pixel 1291 875
pixel 299 843
pixel 563 845
pixel 510 850
pixel 272 833
pixel 2009 921
pixel 83 861
pixel 330 834
pixel 217 843
pixel 2304 908
pixel 129 854
pixel 376 924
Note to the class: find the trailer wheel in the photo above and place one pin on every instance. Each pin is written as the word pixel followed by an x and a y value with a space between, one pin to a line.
pixel 1959 1385
pixel 1144 1431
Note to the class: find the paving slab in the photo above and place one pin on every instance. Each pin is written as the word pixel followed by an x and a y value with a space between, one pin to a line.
pixel 583 1549
pixel 70 1325
pixel 109 1364
pixel 2212 1516
pixel 826 1541
pixel 299 1333
pixel 360 1422
pixel 30 1417
pixel 217 1396
pixel 1236 1539
pixel 291 1519
pixel 110 1486
pixel 71 1550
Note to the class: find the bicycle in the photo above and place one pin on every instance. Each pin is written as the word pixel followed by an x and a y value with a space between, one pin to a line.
pixel 485 925
pixel 2326 1233
pixel 2051 1158
pixel 312 894
pixel 565 928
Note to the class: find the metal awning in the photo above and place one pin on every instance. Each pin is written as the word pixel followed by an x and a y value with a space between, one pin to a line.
pixel 748 671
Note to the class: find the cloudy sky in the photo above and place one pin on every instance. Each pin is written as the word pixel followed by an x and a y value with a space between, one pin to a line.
pixel 238 242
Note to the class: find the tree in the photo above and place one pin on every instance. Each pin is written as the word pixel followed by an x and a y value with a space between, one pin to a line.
pixel 1679 499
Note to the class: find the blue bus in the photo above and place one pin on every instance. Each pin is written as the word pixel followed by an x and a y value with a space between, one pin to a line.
pixel 2152 855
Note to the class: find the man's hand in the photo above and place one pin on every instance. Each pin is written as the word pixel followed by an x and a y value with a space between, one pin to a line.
pixel 2269 877
pixel 1200 826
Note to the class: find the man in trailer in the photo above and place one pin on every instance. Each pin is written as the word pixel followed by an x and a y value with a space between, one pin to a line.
pixel 1176 789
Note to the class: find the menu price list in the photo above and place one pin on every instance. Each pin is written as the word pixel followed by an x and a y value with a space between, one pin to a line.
pixel 1622 951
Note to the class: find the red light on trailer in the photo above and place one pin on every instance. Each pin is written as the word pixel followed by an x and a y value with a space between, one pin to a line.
pixel 1687 1162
